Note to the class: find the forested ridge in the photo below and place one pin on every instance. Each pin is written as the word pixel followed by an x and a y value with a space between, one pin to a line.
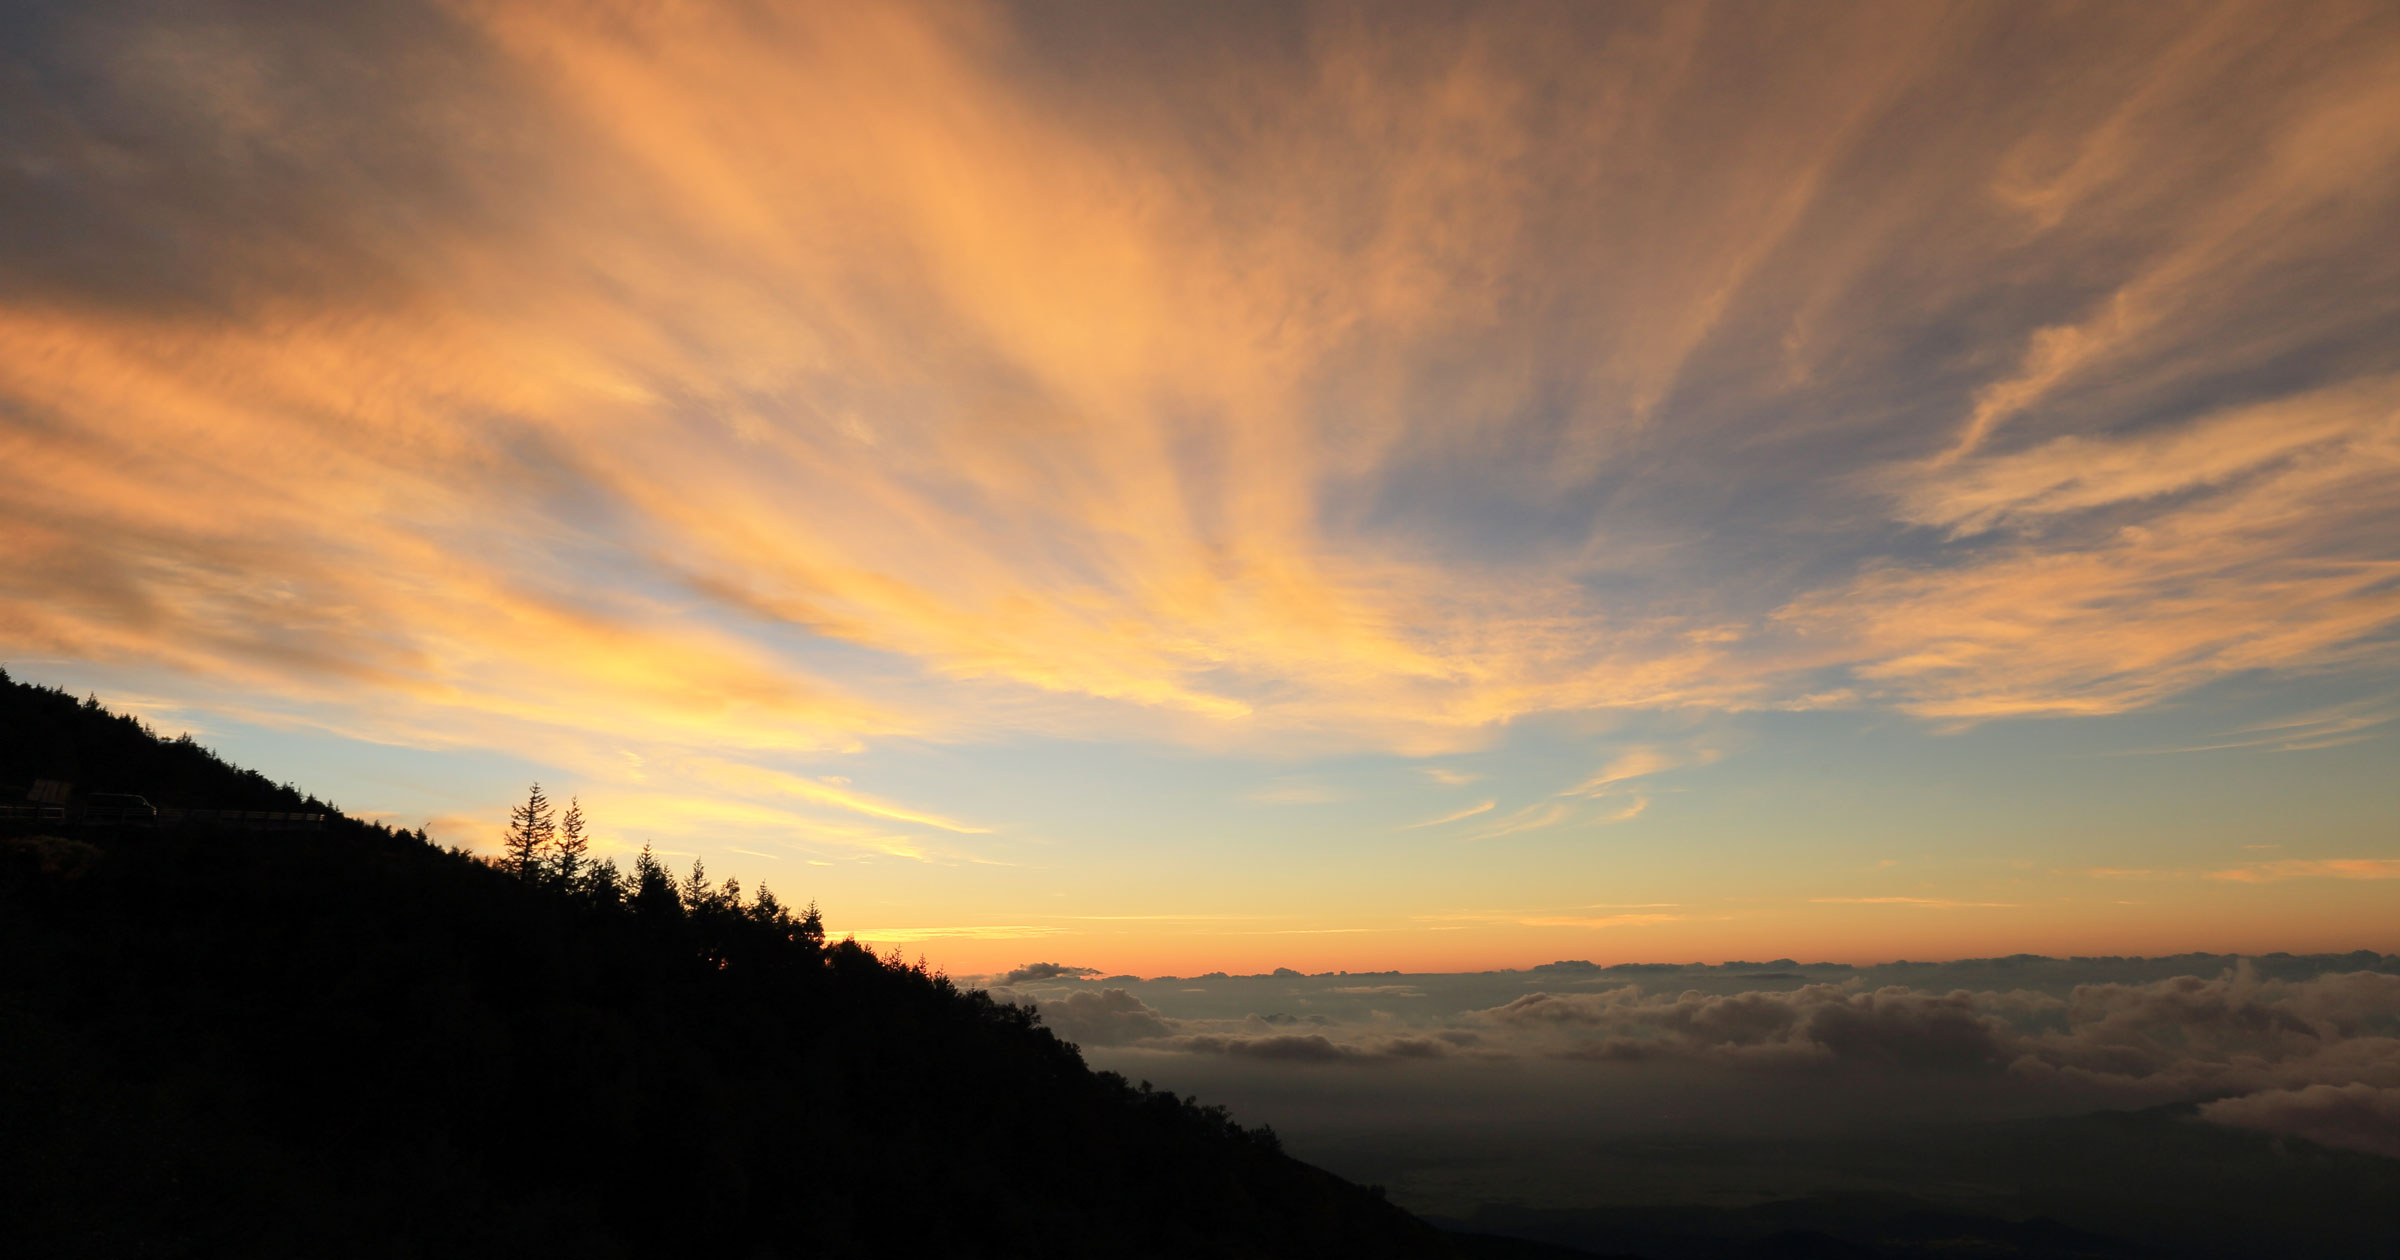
pixel 353 1041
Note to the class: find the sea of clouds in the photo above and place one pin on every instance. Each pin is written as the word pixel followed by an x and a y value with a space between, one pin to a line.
pixel 2305 1046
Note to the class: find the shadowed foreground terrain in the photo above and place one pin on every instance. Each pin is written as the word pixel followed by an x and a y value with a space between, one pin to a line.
pixel 352 1042
pixel 2157 1182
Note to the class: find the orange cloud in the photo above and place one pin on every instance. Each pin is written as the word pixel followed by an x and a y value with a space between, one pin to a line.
pixel 606 379
pixel 1545 919
pixel 2252 540
pixel 1926 903
pixel 2301 868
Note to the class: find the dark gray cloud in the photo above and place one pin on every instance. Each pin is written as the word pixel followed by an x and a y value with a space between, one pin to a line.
pixel 1109 1017
pixel 2181 1037
pixel 212 159
pixel 2190 1036
pixel 1310 1047
pixel 1047 971
pixel 1889 1027
pixel 1288 1047
pixel 1278 1019
pixel 2357 1116
pixel 1114 1017
pixel 1820 1023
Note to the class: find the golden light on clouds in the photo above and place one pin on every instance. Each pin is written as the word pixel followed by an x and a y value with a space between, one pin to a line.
pixel 735 388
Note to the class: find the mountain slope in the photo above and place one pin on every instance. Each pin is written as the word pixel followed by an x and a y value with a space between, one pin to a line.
pixel 47 734
pixel 353 1042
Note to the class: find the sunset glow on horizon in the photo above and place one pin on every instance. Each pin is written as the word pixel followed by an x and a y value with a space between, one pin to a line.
pixel 1221 488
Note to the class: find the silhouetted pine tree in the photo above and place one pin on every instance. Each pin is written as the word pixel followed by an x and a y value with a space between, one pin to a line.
pixel 571 845
pixel 530 831
pixel 812 928
pixel 603 883
pixel 654 891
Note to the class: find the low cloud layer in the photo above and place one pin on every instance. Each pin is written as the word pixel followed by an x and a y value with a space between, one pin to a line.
pixel 2357 1116
pixel 2161 1041
pixel 1109 1017
pixel 2294 1046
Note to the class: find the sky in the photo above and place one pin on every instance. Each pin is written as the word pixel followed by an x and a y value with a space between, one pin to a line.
pixel 1170 489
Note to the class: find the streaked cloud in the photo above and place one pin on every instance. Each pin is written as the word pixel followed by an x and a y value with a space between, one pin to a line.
pixel 712 320
pixel 762 781
pixel 2332 727
pixel 1534 817
pixel 1926 903
pixel 1455 816
pixel 1556 919
pixel 1636 763
pixel 2252 541
pixel 1598 921
pixel 2311 868
pixel 1624 813
pixel 912 935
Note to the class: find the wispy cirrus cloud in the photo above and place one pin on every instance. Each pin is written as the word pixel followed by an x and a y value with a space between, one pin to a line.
pixel 778 381
pixel 1639 916
pixel 1922 903
pixel 2268 872
pixel 2258 540
pixel 2319 729
pixel 1636 763
pixel 1538 816
pixel 757 780
pixel 975 932
pixel 2311 868
pixel 1470 811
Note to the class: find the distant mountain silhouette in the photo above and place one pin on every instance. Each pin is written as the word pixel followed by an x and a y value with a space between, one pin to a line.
pixel 353 1042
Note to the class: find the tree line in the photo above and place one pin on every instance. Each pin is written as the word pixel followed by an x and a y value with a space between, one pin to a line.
pixel 551 850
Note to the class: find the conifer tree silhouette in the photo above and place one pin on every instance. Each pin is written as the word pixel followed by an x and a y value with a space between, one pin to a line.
pixel 530 832
pixel 812 928
pixel 654 890
pixel 572 844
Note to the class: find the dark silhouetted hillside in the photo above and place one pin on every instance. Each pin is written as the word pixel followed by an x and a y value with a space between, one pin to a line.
pixel 46 733
pixel 351 1042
